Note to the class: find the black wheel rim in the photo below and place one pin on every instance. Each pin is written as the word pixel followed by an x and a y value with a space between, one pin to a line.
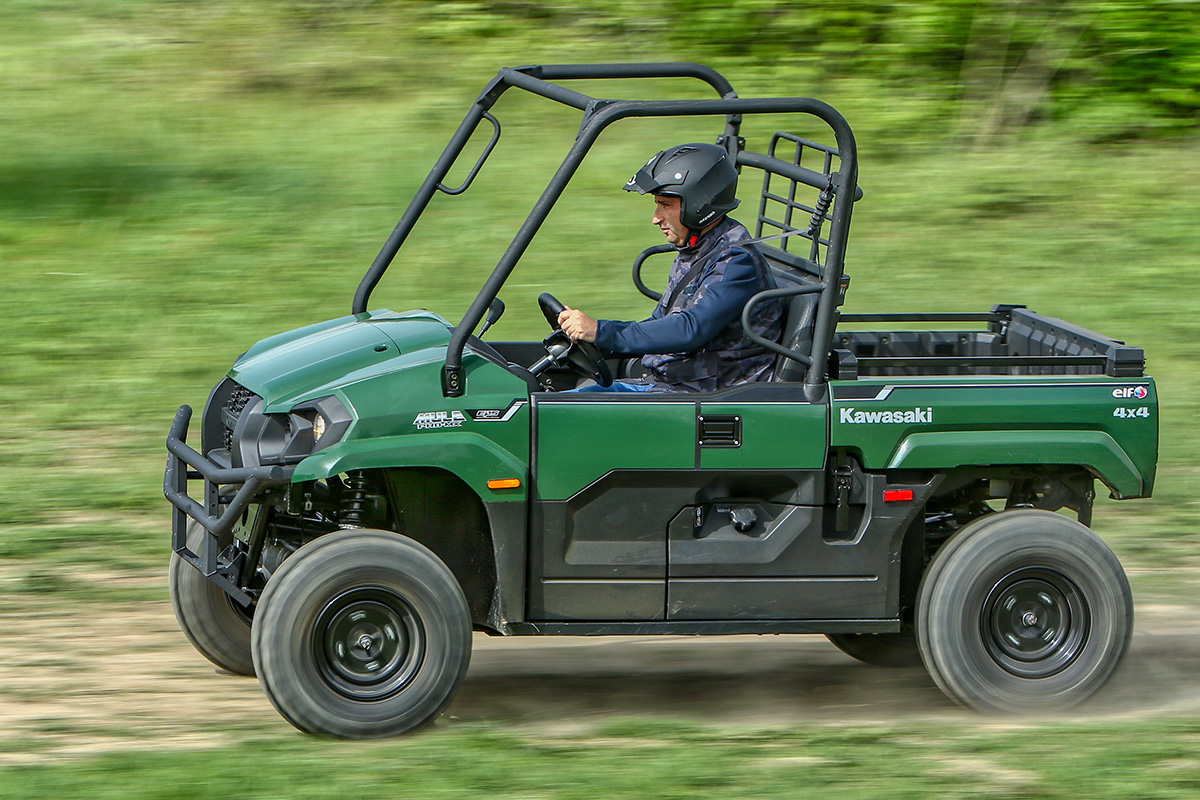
pixel 368 643
pixel 1035 622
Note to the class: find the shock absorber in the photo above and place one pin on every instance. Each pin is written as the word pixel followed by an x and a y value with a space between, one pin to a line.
pixel 354 503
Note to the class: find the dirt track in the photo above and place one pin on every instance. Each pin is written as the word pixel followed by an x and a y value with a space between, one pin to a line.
pixel 108 677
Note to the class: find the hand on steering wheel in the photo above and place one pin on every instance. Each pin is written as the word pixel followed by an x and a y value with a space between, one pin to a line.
pixel 583 357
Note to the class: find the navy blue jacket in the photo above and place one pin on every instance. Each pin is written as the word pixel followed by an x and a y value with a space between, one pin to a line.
pixel 699 344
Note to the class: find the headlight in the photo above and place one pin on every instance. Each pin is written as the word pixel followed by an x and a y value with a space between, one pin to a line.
pixel 291 437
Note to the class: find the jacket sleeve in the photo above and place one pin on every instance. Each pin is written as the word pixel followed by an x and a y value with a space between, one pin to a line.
pixel 724 296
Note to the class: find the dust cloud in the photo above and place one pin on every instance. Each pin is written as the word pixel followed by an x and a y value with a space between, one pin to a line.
pixel 98 678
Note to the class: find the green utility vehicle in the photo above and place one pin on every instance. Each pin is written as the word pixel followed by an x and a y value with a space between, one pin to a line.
pixel 370 490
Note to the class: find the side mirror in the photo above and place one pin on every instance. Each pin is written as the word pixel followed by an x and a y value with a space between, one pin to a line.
pixel 495 311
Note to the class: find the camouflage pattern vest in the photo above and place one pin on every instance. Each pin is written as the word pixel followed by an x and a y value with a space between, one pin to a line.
pixel 730 358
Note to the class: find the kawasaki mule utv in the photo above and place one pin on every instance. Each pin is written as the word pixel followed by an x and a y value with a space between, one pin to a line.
pixel 369 490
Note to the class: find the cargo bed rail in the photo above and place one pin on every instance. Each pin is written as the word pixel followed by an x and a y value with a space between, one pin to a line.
pixel 1016 341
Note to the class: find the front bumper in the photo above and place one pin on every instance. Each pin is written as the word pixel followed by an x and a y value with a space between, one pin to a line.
pixel 219 513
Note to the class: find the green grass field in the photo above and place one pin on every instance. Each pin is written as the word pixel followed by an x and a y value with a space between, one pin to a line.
pixel 178 181
pixel 643 759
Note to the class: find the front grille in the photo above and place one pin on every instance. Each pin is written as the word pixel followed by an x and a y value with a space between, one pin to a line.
pixel 233 410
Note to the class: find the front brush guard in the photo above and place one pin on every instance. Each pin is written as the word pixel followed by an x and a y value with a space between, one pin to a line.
pixel 215 520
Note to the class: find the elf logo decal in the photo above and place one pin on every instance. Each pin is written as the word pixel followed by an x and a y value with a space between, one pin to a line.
pixel 439 419
pixel 917 416
pixel 1127 392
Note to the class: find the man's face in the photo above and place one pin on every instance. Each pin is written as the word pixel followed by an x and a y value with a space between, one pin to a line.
pixel 666 217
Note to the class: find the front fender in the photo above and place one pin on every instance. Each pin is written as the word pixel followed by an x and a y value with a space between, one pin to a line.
pixel 473 458
pixel 1093 449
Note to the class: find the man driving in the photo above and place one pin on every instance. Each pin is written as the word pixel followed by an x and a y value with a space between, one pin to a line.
pixel 694 341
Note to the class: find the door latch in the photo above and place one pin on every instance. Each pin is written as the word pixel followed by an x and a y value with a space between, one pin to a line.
pixel 843 476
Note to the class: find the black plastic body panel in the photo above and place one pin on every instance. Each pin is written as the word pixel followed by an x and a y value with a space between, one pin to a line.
pixel 705 628
pixel 666 548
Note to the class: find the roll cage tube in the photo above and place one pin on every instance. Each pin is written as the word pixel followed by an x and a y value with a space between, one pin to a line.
pixel 598 115
pixel 478 112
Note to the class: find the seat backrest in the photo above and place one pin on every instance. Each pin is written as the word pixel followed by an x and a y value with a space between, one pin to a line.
pixel 799 314
pixel 799 311
pixel 797 211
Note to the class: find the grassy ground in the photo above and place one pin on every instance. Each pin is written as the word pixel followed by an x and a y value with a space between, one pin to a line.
pixel 180 180
pixel 645 759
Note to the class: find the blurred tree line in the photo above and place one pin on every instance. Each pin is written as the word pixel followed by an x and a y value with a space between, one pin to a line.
pixel 997 66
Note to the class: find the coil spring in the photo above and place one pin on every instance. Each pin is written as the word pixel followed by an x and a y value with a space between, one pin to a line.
pixel 824 201
pixel 354 507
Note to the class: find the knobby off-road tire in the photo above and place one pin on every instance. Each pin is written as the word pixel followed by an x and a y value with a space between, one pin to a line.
pixel 880 649
pixel 361 634
pixel 1023 611
pixel 216 625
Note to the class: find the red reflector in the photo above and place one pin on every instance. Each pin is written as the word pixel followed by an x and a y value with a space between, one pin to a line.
pixel 897 495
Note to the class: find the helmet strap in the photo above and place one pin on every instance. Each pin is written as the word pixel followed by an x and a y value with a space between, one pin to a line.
pixel 694 234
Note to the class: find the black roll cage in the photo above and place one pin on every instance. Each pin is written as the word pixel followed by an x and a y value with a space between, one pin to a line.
pixel 598 114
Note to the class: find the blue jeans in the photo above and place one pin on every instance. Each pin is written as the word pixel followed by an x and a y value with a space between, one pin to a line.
pixel 617 386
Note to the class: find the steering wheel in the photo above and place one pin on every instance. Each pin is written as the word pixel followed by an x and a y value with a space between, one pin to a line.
pixel 583 357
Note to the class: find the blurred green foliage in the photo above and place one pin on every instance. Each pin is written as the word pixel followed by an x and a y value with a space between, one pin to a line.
pixel 996 65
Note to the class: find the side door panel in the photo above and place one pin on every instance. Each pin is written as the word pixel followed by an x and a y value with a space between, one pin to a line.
pixel 693 507
pixel 610 473
pixel 757 554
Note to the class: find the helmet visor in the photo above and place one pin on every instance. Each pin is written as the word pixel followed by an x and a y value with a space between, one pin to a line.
pixel 651 180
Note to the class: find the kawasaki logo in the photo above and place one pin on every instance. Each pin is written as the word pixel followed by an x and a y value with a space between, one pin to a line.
pixel 439 419
pixel 918 416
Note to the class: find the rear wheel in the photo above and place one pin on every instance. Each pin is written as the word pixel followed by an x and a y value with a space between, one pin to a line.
pixel 216 624
pixel 362 634
pixel 1024 611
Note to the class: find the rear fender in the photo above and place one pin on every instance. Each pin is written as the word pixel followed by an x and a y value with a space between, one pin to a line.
pixel 1096 450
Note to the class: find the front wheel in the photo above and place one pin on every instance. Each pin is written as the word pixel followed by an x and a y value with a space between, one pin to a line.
pixel 1023 611
pixel 362 634
pixel 216 625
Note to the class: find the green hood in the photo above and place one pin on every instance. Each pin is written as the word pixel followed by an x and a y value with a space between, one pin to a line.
pixel 316 360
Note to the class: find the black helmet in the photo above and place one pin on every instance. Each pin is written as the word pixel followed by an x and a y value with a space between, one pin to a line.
pixel 700 175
